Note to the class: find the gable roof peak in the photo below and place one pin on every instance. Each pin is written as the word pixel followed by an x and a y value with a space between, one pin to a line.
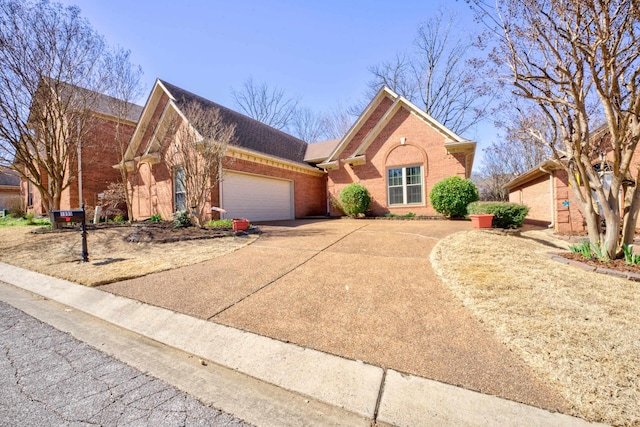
pixel 250 133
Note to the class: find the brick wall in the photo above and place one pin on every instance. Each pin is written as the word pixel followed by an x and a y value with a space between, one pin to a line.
pixel 569 219
pixel 536 195
pixel 154 189
pixel 423 145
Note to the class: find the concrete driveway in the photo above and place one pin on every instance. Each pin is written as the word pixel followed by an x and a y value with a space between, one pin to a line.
pixel 361 289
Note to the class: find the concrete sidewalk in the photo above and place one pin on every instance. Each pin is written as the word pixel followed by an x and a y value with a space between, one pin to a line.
pixel 369 392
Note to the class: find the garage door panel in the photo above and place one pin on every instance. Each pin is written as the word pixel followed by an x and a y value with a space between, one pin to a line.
pixel 257 198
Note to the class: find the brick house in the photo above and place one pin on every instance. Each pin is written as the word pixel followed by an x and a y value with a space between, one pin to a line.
pixel 91 167
pixel 264 177
pixel 394 149
pixel 545 190
pixel 397 152
pixel 9 190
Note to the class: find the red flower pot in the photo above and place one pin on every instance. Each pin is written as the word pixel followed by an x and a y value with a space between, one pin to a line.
pixel 481 220
pixel 240 224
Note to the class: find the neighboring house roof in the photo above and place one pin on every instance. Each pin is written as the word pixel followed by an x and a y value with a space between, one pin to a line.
pixel 250 133
pixel 454 143
pixel 319 151
pixel 542 168
pixel 100 103
pixel 9 178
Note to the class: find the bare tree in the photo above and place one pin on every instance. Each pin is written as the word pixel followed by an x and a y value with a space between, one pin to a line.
pixel 307 125
pixel 268 105
pixel 574 60
pixel 124 87
pixel 339 120
pixel 51 72
pixel 440 74
pixel 194 150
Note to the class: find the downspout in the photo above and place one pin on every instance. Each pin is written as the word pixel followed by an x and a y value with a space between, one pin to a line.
pixel 328 195
pixel 552 191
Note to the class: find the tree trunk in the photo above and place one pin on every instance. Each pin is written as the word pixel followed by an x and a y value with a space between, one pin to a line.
pixel 631 210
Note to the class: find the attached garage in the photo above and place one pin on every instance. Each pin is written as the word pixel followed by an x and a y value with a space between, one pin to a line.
pixel 256 197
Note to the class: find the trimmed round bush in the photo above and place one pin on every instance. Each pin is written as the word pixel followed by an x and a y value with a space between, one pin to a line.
pixel 355 199
pixel 451 196
pixel 505 214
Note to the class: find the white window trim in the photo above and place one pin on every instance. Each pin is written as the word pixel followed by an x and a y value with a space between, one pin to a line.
pixel 404 186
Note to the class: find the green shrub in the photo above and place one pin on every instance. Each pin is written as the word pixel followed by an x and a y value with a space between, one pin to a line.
pixel 28 217
pixel 220 223
pixel 355 199
pixel 451 196
pixel 182 219
pixel 156 218
pixel 505 215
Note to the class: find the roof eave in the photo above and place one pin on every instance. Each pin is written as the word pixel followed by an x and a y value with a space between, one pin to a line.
pixel 545 167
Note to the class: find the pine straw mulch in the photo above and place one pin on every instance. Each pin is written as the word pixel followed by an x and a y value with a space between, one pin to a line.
pixel 579 330
pixel 115 253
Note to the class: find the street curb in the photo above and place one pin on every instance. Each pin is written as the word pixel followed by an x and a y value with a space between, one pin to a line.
pixel 340 382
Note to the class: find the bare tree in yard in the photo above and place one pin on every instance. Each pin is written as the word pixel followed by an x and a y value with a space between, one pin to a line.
pixel 125 87
pixel 51 70
pixel 518 150
pixel 578 61
pixel 196 149
pixel 439 75
pixel 266 104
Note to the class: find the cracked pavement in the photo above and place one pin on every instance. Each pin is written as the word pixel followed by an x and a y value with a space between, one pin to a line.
pixel 48 378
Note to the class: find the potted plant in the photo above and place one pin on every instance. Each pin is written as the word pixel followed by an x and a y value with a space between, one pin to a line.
pixel 481 220
pixel 504 214
pixel 240 224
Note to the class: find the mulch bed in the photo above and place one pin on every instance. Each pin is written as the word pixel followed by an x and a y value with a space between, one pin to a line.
pixel 161 232
pixel 616 264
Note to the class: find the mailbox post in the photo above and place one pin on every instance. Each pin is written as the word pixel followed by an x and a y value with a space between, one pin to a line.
pixel 77 216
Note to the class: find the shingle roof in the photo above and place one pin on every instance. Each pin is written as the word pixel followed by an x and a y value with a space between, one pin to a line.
pixel 250 133
pixel 100 103
pixel 9 177
pixel 318 152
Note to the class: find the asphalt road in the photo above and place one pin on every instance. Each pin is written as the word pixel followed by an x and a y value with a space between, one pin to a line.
pixel 48 378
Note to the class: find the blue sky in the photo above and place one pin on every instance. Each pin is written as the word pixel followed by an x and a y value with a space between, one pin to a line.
pixel 317 50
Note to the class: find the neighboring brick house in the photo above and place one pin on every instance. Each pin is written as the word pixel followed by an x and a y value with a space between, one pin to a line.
pixel 545 190
pixel 394 149
pixel 100 150
pixel 9 190
pixel 397 152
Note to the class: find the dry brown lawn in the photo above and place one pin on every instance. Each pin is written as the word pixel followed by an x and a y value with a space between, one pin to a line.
pixel 111 258
pixel 579 330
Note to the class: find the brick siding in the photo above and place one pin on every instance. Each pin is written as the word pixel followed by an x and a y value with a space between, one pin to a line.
pixel 423 146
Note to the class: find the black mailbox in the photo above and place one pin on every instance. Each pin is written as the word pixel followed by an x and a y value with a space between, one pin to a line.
pixel 65 217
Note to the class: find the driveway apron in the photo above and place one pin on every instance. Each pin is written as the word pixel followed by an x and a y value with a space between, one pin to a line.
pixel 361 289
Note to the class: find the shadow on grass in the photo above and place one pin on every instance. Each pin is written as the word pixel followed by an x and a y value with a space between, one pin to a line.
pixel 109 261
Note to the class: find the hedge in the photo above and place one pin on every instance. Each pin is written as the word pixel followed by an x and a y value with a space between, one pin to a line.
pixel 505 215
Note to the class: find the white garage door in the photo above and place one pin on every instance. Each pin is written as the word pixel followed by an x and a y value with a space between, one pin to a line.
pixel 256 198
